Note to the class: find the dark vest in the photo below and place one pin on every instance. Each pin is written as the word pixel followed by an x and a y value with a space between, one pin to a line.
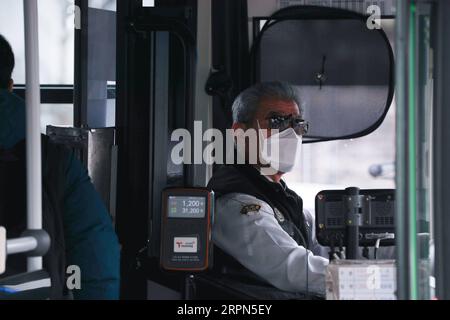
pixel 286 204
pixel 13 207
pixel 288 209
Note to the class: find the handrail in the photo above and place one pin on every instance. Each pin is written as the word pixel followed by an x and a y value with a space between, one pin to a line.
pixel 33 134
pixel 21 245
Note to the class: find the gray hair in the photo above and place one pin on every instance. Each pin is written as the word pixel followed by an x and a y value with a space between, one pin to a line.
pixel 246 104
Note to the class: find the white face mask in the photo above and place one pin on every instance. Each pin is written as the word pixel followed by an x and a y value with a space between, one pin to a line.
pixel 281 151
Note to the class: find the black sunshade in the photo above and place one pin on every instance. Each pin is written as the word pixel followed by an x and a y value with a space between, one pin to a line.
pixel 343 69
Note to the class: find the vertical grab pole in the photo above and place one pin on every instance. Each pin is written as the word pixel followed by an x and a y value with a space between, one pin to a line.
pixel 402 244
pixel 33 131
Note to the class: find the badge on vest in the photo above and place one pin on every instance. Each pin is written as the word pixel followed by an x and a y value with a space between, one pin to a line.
pixel 278 215
pixel 251 209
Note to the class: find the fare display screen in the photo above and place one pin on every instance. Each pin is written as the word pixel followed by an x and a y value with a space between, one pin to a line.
pixel 187 207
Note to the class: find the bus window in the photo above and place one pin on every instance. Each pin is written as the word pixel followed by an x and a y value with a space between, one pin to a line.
pixel 56 54
pixel 56 115
pixel 56 48
pixel 109 5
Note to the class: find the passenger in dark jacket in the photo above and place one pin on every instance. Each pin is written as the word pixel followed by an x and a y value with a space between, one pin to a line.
pixel 91 242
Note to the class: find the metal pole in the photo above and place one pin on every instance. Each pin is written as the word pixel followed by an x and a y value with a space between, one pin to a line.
pixel 203 102
pixel 401 167
pixel 33 132
pixel 353 220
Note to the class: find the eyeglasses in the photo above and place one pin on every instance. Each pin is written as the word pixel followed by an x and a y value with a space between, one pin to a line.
pixel 282 123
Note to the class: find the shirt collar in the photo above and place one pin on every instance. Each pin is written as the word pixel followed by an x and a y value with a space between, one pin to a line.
pixel 280 184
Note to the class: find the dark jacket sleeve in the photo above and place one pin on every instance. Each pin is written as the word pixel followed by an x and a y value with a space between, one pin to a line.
pixel 91 242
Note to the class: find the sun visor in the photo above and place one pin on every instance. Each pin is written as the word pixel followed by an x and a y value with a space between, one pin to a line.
pixel 344 71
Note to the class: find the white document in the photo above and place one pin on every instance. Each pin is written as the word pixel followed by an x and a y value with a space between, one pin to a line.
pixel 361 280
pixel 2 250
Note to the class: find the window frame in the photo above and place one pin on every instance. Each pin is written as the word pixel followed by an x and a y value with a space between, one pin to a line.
pixel 58 93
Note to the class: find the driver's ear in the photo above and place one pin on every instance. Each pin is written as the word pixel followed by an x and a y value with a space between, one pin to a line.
pixel 238 125
pixel 11 85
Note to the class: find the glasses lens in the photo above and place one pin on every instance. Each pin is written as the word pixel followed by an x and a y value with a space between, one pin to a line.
pixel 300 126
pixel 282 123
pixel 279 123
